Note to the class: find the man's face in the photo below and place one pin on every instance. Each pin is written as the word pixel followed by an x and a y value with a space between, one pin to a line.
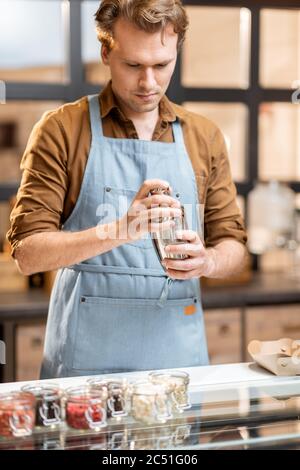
pixel 141 66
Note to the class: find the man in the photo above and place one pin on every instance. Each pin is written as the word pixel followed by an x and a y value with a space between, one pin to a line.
pixel 113 306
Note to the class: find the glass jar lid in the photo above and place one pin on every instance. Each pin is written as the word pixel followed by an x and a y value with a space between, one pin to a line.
pixel 176 376
pixel 177 383
pixel 148 388
pixel 84 393
pixel 16 400
pixel 117 383
pixel 47 391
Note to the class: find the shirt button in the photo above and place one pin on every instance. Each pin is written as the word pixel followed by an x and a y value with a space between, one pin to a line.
pixel 107 189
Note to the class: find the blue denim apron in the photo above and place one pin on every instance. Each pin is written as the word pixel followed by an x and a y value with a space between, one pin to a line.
pixel 119 311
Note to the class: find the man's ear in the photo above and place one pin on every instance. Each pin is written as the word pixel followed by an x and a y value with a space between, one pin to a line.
pixel 104 55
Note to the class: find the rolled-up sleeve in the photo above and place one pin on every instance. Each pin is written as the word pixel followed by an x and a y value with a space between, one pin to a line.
pixel 40 198
pixel 222 216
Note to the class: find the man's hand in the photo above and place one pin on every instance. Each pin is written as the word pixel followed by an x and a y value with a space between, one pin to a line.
pixel 201 261
pixel 223 260
pixel 149 213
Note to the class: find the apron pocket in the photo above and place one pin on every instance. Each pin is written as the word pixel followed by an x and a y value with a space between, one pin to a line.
pixel 119 200
pixel 114 335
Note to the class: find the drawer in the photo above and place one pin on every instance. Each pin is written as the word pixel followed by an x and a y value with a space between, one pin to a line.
pixel 29 351
pixel 223 331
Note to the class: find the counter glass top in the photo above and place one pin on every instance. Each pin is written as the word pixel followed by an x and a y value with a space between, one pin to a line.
pixel 261 412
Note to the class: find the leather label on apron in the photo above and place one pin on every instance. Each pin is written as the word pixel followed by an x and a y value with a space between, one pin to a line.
pixel 190 309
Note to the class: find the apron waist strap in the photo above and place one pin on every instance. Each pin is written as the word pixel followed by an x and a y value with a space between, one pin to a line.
pixel 98 268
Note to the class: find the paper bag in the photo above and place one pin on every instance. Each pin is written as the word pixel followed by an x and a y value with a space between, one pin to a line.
pixel 282 357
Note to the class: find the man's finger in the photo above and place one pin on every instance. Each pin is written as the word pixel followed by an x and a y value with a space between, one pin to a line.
pixel 151 184
pixel 159 200
pixel 188 235
pixel 159 212
pixel 189 249
pixel 183 275
pixel 182 264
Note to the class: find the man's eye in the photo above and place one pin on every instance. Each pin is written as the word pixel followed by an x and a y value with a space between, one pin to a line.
pixel 160 66
pixel 132 65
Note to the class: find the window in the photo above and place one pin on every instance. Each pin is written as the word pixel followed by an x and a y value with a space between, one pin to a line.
pixel 216 50
pixel 21 116
pixel 280 52
pixel 32 41
pixel 279 144
pixel 232 119
pixel 95 71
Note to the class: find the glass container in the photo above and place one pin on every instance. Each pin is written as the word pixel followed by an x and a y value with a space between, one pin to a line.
pixel 17 414
pixel 150 403
pixel 116 390
pixel 85 408
pixel 48 404
pixel 177 383
pixel 168 237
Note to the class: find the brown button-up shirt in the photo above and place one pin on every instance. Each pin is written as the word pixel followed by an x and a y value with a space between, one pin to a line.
pixel 55 157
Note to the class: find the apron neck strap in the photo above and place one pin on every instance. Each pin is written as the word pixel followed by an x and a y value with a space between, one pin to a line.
pixel 177 132
pixel 95 116
pixel 96 121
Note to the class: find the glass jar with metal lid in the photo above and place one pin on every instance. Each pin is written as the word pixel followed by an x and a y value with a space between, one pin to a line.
pixel 177 383
pixel 17 414
pixel 48 403
pixel 85 408
pixel 116 390
pixel 150 403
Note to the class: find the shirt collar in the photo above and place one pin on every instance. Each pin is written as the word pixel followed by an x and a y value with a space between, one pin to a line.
pixel 108 103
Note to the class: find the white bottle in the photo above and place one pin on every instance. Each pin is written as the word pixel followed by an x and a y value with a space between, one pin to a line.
pixel 270 216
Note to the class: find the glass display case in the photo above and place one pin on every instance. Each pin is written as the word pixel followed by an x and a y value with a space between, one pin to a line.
pixel 237 415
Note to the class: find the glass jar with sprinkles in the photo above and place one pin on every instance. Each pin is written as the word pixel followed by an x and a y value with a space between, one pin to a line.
pixel 17 414
pixel 150 403
pixel 116 390
pixel 177 383
pixel 85 408
pixel 48 403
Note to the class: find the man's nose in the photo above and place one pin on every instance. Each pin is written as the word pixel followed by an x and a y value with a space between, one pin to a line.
pixel 147 79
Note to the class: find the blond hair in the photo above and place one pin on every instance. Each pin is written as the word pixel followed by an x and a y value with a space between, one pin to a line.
pixel 149 15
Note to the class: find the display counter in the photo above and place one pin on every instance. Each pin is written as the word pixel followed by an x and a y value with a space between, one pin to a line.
pixel 234 406
pixel 23 317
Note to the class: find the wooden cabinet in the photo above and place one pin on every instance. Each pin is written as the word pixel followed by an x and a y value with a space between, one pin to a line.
pixel 272 323
pixel 29 351
pixel 224 335
pixel 226 340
